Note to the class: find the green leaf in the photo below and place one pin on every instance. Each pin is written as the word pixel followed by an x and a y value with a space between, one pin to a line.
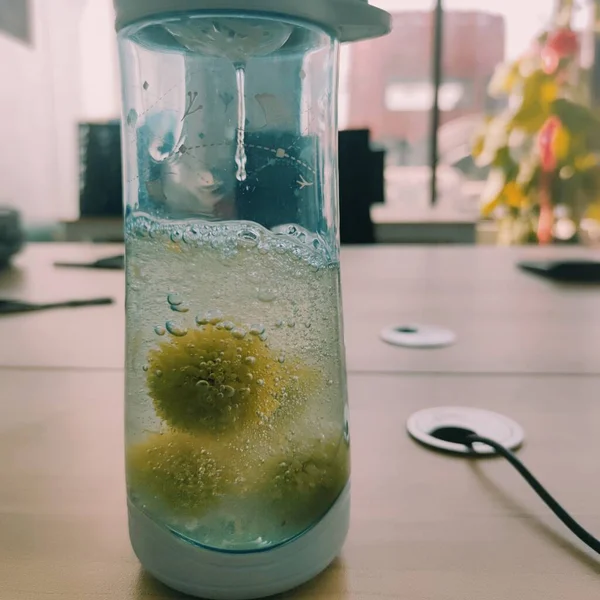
pixel 538 93
pixel 578 119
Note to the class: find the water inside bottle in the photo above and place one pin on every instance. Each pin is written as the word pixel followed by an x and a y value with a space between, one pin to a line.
pixel 236 425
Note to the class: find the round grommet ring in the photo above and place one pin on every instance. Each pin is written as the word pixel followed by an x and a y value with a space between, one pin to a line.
pixel 486 423
pixel 416 335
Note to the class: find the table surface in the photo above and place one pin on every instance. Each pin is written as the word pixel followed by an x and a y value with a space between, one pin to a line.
pixel 507 322
pixel 424 526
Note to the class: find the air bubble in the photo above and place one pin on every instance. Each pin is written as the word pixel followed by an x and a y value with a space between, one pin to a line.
pixel 257 329
pixel 174 299
pixel 260 382
pixel 281 358
pixel 159 330
pixel 180 308
pixel 145 368
pixel 248 238
pixel 201 319
pixel 214 316
pixel 158 373
pixel 175 329
pixel 228 325
pixel 228 391
pixel 250 360
pixel 239 333
pixel 308 325
pixel 291 324
pixel 330 382
pixel 266 295
pixel 176 236
pixel 263 337
pixel 220 325
pixel 202 383
pixel 279 324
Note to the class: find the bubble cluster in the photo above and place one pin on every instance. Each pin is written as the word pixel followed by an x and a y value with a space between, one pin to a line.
pixel 229 238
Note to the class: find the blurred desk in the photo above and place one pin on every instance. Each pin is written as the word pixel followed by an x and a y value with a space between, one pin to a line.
pixel 506 321
pixel 424 525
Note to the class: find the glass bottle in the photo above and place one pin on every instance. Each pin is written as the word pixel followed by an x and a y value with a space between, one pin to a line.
pixel 237 451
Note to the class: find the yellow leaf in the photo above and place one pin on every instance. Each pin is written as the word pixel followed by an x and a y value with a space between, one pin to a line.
pixel 489 207
pixel 561 143
pixel 593 212
pixel 504 79
pixel 538 94
pixel 513 195
pixel 478 146
pixel 585 162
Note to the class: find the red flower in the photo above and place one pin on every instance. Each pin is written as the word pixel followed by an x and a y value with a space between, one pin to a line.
pixel 565 42
pixel 562 43
pixel 546 140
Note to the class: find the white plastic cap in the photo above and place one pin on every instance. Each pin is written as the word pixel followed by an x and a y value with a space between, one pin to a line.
pixel 351 19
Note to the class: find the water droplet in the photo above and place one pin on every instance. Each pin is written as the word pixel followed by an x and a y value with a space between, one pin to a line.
pixel 266 295
pixel 159 330
pixel 250 360
pixel 239 333
pixel 176 236
pixel 228 325
pixel 228 391
pixel 175 299
pixel 214 316
pixel 202 383
pixel 132 117
pixel 175 329
pixel 291 323
pixel 179 308
pixel 145 368
pixel 257 329
pixel 158 373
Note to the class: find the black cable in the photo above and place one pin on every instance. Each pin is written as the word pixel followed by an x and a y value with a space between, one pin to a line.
pixel 586 537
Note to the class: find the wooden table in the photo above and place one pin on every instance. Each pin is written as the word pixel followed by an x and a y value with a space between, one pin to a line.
pixel 424 526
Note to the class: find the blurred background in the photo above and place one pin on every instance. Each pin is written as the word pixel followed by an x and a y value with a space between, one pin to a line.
pixel 416 102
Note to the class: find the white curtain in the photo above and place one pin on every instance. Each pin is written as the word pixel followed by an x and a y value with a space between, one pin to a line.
pixel 67 75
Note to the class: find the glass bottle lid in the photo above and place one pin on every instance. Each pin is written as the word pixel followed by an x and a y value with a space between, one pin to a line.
pixel 351 20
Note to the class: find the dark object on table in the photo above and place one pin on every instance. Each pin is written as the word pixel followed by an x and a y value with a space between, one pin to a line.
pixel 11 235
pixel 9 307
pixel 568 271
pixel 101 188
pixel 361 185
pixel 110 262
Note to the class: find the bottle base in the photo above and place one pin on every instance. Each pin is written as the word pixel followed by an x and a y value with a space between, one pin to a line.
pixel 218 575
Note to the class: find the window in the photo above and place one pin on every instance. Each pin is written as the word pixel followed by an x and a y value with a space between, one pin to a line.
pixel 387 85
pixel 418 96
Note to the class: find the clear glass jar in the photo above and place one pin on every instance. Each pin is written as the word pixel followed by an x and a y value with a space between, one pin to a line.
pixel 236 426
